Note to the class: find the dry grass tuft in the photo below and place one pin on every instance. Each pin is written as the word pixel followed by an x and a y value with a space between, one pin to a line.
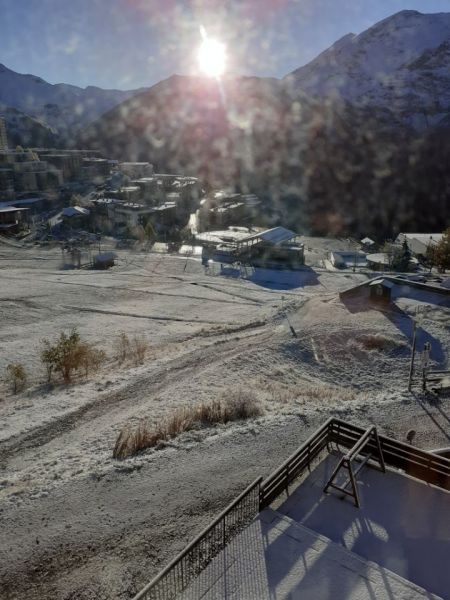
pixel 376 342
pixel 238 405
pixel 134 349
pixel 304 391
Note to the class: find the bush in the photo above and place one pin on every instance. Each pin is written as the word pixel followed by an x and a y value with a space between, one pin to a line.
pixel 237 406
pixel 376 342
pixel 16 376
pixel 134 349
pixel 123 347
pixel 69 354
pixel 91 359
pixel 139 347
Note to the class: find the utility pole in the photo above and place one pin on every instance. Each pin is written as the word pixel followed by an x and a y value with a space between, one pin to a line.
pixel 411 368
pixel 425 363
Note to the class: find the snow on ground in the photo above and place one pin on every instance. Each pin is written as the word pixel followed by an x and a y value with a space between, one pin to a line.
pixel 285 336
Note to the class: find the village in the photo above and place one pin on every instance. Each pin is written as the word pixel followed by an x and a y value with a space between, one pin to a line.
pixel 81 202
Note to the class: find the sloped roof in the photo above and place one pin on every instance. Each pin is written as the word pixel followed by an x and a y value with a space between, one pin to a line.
pixel 277 235
pixel 9 209
pixel 381 258
pixel 383 282
pixel 74 211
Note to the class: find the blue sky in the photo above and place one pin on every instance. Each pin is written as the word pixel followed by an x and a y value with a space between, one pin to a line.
pixel 132 43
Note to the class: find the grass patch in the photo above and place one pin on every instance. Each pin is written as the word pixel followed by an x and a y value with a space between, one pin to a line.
pixel 377 342
pixel 235 406
pixel 134 349
pixel 304 391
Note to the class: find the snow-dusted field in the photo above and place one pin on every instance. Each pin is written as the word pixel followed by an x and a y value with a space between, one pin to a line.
pixel 78 524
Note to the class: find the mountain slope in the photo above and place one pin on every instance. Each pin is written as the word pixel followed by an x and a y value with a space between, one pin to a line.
pixel 401 63
pixel 60 106
pixel 195 125
pixel 27 131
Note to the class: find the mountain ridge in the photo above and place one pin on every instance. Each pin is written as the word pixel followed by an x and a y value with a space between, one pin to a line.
pixel 373 68
pixel 63 107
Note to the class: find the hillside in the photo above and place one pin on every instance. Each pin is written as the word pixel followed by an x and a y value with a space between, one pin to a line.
pixel 60 106
pixel 27 131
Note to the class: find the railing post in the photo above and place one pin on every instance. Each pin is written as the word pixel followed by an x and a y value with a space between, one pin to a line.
pixel 224 537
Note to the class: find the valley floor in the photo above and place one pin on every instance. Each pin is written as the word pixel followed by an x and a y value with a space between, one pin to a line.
pixel 77 524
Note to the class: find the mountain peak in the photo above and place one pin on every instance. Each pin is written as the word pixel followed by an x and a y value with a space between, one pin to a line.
pixel 401 63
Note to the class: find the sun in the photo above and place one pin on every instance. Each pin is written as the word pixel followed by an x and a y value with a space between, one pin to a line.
pixel 212 57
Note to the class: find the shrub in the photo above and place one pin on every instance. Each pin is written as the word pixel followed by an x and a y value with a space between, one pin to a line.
pixel 123 347
pixel 69 354
pixel 16 376
pixel 376 342
pixel 134 349
pixel 91 359
pixel 239 405
pixel 139 348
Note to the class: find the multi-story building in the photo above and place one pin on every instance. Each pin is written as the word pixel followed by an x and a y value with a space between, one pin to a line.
pixel 3 138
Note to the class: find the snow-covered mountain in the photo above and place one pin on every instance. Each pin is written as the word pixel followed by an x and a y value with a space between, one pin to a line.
pixel 402 63
pixel 60 106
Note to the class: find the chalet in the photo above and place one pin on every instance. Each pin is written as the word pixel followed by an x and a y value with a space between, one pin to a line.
pixel 275 247
pixel 418 243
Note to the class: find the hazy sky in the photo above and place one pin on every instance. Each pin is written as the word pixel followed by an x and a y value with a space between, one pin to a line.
pixel 132 43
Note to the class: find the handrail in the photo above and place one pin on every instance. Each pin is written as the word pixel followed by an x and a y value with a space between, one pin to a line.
pixel 173 563
pixel 311 438
pixel 292 466
pixel 178 574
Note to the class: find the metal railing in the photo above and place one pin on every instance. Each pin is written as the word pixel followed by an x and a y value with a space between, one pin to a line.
pixel 181 571
pixel 420 464
pixel 280 479
pixel 178 574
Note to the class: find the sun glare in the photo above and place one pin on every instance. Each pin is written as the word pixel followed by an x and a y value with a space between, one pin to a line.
pixel 212 57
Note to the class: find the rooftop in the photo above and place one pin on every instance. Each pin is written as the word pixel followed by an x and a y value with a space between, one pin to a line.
pixel 276 235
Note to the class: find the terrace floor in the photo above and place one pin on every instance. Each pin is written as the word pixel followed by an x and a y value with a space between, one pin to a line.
pixel 317 546
pixel 403 524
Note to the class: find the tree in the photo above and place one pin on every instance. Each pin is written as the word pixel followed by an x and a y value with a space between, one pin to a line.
pixel 16 376
pixel 399 256
pixel 402 259
pixel 69 354
pixel 442 252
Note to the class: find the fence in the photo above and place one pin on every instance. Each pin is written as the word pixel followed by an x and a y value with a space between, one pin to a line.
pixel 280 479
pixel 196 556
pixel 426 466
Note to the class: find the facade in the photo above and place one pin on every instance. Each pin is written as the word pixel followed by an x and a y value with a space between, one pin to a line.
pixel 3 137
pixel 11 219
pixel 136 170
pixel 272 248
pixel 344 260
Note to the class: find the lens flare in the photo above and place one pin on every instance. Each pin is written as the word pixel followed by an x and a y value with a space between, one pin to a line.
pixel 212 57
